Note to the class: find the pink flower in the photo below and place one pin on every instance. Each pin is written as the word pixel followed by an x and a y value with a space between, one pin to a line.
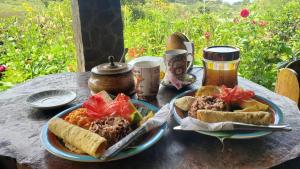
pixel 245 13
pixel 262 23
pixel 207 35
pixel 2 68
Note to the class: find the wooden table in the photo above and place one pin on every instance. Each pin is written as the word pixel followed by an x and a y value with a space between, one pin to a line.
pixel 20 127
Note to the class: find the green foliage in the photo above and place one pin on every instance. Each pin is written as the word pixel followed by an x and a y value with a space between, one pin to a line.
pixel 37 38
pixel 268 36
pixel 38 43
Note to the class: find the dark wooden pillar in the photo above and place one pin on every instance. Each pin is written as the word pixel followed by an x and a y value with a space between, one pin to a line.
pixel 98 31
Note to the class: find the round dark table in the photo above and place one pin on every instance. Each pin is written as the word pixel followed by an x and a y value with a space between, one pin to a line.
pixel 20 127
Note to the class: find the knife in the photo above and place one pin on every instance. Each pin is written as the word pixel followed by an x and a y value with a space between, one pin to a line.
pixel 160 118
pixel 242 126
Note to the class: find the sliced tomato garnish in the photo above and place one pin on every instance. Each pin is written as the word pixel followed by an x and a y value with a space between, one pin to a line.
pixel 234 95
pixel 98 108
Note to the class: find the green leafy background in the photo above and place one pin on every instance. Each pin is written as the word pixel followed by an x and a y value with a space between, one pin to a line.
pixel 36 36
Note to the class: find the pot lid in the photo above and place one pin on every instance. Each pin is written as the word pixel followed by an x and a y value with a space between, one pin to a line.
pixel 111 68
pixel 221 53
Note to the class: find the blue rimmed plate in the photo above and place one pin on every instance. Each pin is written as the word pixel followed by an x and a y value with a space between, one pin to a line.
pixel 273 108
pixel 57 148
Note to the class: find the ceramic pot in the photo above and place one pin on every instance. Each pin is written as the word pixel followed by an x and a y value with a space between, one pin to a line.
pixel 113 77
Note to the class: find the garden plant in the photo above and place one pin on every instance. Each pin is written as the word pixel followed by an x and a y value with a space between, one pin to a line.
pixel 37 39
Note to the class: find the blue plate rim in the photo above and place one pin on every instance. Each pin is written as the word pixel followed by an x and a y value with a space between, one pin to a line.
pixel 86 158
pixel 222 134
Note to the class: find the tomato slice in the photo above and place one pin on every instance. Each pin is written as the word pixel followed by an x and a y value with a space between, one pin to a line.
pixel 95 106
pixel 234 95
pixel 120 106
pixel 98 108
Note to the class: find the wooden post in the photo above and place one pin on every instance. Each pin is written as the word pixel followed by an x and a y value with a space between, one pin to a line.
pixel 98 32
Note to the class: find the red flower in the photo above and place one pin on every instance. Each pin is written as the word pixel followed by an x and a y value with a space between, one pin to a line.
pixel 254 22
pixel 207 35
pixel 135 52
pixel 132 52
pixel 262 23
pixel 2 68
pixel 245 13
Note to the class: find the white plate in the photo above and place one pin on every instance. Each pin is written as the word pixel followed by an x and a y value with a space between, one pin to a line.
pixel 50 99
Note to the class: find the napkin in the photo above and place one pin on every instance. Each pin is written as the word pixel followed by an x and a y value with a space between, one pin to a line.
pixel 190 123
pixel 174 81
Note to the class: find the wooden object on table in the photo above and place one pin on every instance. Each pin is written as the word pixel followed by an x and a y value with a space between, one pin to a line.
pixel 113 77
pixel 20 127
pixel 295 65
pixel 98 31
pixel 176 41
pixel 287 84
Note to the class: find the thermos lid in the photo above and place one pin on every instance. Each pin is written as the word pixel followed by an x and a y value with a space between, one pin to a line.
pixel 221 53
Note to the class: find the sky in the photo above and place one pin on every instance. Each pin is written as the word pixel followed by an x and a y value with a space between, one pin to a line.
pixel 231 1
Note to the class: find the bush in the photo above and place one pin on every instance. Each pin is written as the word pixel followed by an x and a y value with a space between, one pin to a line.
pixel 264 40
pixel 40 42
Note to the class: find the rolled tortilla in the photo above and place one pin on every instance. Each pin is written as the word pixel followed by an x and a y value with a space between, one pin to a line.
pixel 258 118
pixel 85 140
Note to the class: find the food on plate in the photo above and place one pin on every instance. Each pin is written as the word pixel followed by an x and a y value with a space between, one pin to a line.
pixel 234 95
pixel 146 118
pixel 98 107
pixel 112 128
pixel 253 105
pixel 97 104
pixel 73 148
pixel 98 124
pixel 258 118
pixel 219 104
pixel 184 103
pixel 85 140
pixel 208 91
pixel 207 103
pixel 136 117
pixel 80 118
pixel 105 96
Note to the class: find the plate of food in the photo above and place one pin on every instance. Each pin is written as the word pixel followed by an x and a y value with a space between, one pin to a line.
pixel 213 104
pixel 84 132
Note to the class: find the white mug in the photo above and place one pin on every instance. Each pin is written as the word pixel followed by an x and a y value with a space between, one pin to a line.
pixel 147 78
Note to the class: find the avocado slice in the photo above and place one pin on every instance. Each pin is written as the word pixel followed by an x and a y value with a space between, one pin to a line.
pixel 136 117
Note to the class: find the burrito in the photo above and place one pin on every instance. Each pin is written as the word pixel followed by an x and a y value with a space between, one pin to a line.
pixel 85 140
pixel 258 118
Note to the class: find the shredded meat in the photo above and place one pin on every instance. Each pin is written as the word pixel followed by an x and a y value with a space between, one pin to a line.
pixel 111 128
pixel 207 103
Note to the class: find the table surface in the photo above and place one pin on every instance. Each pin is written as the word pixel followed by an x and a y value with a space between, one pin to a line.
pixel 20 126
